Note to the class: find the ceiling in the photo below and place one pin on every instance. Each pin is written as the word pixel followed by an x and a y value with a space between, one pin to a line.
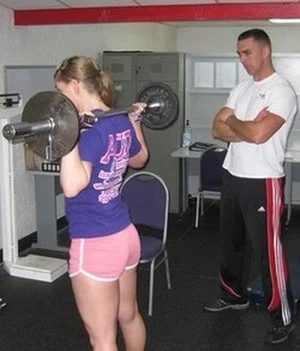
pixel 190 18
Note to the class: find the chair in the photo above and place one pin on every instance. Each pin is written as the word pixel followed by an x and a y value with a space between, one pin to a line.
pixel 211 163
pixel 147 197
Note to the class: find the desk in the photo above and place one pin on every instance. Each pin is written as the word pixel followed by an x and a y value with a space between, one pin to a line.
pixel 184 153
pixel 292 157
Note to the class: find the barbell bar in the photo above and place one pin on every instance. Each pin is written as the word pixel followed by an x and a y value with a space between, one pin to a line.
pixel 51 124
pixel 25 129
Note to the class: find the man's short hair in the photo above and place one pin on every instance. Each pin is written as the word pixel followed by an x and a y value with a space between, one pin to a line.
pixel 257 34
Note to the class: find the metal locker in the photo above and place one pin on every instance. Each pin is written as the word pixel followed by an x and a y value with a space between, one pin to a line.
pixel 121 67
pixel 147 67
pixel 159 67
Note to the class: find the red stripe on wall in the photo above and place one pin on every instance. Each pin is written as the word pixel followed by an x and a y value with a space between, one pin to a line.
pixel 205 12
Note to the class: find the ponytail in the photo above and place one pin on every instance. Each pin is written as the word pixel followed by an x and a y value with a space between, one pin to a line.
pixel 106 92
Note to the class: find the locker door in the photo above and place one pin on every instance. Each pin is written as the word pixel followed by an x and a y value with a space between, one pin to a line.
pixel 121 67
pixel 157 67
pixel 124 94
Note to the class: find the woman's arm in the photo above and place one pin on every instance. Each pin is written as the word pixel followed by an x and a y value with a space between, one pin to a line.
pixel 75 174
pixel 141 158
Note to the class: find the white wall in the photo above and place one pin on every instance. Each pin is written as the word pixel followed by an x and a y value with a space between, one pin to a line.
pixel 221 40
pixel 48 45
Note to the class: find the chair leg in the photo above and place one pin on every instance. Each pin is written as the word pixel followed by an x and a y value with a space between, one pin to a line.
pixel 151 287
pixel 167 270
pixel 197 211
pixel 202 205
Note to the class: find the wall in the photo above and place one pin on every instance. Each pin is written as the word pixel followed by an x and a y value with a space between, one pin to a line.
pixel 48 45
pixel 221 40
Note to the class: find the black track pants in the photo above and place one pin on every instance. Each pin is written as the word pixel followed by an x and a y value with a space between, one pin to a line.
pixel 251 228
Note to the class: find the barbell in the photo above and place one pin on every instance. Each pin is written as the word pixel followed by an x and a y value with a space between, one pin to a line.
pixel 51 124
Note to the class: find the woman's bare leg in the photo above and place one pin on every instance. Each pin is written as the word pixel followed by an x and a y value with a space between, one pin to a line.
pixel 98 304
pixel 130 319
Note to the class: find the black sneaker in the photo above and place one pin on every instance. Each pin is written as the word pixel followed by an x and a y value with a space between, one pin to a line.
pixel 2 303
pixel 218 305
pixel 278 334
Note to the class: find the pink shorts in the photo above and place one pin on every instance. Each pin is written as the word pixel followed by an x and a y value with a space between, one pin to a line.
pixel 105 258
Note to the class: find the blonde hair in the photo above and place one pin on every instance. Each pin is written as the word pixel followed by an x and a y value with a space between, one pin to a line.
pixel 85 69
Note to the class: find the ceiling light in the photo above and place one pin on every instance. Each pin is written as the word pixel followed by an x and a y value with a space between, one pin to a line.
pixel 284 20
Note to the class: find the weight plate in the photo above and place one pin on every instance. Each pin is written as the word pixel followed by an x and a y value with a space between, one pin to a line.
pixel 167 112
pixel 63 136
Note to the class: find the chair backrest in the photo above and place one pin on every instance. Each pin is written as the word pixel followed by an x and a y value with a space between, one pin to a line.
pixel 147 197
pixel 211 163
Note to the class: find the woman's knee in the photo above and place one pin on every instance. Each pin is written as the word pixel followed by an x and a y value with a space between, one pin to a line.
pixel 128 313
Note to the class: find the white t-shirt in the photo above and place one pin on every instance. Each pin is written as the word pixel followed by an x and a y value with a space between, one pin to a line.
pixel 247 99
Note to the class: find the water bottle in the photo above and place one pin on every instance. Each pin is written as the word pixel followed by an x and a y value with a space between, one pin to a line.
pixel 187 135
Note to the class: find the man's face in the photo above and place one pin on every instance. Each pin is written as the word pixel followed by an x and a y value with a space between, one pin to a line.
pixel 252 55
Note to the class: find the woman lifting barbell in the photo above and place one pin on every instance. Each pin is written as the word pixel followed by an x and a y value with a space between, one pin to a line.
pixel 105 247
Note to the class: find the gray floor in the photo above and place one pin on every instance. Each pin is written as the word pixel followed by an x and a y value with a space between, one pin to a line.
pixel 43 316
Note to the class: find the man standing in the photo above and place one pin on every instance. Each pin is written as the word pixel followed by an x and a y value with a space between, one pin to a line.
pixel 255 121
